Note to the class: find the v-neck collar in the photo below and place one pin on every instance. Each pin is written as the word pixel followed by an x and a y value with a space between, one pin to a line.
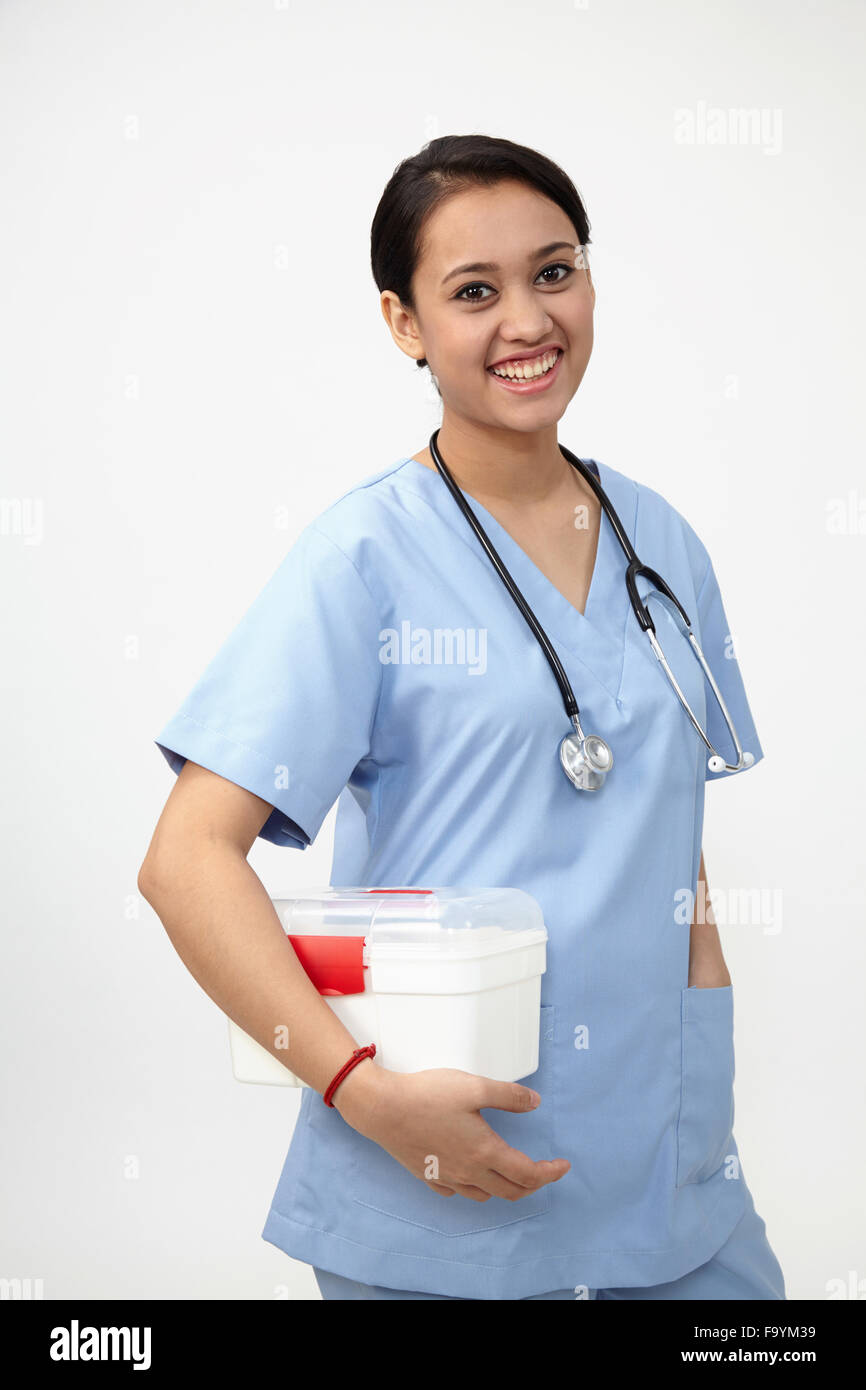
pixel 592 641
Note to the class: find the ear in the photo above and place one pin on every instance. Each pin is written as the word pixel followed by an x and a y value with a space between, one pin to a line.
pixel 401 322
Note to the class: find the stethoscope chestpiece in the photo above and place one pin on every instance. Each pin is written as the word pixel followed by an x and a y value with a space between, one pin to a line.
pixel 586 759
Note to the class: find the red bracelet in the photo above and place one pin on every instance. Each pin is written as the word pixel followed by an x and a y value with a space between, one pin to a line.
pixel 357 1056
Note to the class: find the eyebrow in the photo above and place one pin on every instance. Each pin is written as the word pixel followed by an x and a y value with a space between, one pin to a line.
pixel 491 265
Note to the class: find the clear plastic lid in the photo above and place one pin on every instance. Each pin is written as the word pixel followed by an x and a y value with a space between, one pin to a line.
pixel 453 920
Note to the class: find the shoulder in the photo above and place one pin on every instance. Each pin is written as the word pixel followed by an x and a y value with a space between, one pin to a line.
pixel 345 545
pixel 653 522
pixel 368 497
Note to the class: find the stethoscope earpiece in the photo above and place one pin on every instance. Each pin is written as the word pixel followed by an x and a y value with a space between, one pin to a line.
pixel 718 764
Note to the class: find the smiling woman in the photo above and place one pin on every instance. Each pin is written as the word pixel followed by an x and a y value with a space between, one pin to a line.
pixel 626 1182
pixel 540 301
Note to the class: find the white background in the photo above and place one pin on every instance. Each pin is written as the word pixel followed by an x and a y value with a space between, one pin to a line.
pixel 194 364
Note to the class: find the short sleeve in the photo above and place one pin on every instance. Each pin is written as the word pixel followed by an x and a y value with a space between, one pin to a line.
pixel 717 646
pixel 286 707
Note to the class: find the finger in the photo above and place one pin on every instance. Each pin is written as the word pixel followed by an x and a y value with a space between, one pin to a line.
pixel 501 1185
pixel 518 1168
pixel 506 1095
pixel 476 1194
pixel 512 1164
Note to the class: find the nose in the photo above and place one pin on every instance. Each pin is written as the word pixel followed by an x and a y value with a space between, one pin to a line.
pixel 523 317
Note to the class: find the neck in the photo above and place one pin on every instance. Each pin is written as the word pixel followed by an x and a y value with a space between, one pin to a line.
pixel 504 465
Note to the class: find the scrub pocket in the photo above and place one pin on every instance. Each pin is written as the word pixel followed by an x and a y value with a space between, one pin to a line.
pixel 377 1181
pixel 706 1117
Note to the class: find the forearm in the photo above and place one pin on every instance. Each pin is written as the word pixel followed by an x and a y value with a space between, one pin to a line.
pixel 707 968
pixel 226 931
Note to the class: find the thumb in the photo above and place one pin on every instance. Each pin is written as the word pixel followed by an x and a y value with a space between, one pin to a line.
pixel 508 1095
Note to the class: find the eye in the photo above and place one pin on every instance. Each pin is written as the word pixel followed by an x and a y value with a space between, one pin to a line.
pixel 560 265
pixel 480 285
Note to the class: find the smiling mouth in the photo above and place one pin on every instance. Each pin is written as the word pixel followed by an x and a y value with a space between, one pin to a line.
pixel 537 374
pixel 527 369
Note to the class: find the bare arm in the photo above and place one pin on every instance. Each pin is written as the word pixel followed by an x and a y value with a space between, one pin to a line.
pixel 707 968
pixel 223 925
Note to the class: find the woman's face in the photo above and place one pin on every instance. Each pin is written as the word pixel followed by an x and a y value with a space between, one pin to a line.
pixel 532 298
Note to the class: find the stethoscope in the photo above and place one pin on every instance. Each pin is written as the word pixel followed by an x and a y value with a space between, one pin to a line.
pixel 586 758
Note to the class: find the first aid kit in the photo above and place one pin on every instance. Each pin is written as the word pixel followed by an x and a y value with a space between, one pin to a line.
pixel 435 977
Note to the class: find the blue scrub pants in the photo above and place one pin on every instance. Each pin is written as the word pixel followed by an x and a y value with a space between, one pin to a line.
pixel 744 1267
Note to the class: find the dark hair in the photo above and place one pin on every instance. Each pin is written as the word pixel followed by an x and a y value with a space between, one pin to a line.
pixel 441 168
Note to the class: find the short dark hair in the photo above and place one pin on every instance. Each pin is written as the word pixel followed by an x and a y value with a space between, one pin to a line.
pixel 445 166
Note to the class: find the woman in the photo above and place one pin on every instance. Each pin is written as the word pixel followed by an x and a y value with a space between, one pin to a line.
pixel 624 1181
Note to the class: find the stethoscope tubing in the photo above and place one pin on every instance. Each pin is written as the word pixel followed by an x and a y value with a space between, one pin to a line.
pixel 544 642
pixel 635 567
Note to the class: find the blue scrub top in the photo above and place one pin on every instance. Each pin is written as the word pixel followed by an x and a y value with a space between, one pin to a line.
pixel 335 684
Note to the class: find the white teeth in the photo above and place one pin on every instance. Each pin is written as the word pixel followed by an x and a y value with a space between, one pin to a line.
pixel 520 371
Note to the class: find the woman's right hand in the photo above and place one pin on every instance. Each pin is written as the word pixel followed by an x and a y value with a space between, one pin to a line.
pixel 429 1122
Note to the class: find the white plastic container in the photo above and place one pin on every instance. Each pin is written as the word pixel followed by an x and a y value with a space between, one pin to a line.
pixel 435 977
